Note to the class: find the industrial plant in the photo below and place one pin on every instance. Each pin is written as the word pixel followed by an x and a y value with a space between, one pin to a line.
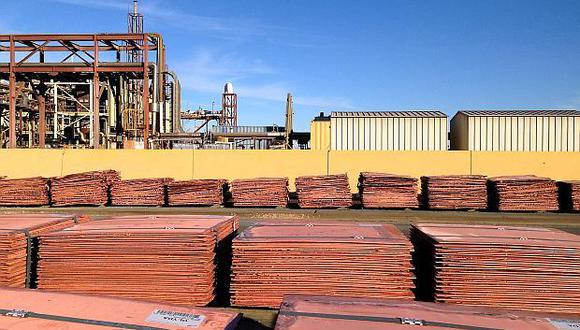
pixel 122 208
pixel 114 91
pixel 118 91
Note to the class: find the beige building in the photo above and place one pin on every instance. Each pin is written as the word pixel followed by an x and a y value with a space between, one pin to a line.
pixel 386 130
pixel 515 130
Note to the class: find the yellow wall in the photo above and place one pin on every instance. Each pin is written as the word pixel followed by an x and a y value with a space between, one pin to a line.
pixel 320 135
pixel 132 164
pixel 412 163
pixel 555 165
pixel 23 163
pixel 231 164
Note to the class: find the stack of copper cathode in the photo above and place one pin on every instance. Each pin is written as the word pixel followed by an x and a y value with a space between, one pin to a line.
pixel 569 195
pixel 273 259
pixel 523 193
pixel 17 244
pixel 33 309
pixel 24 192
pixel 323 191
pixel 453 192
pixel 381 190
pixel 322 312
pixel 168 259
pixel 198 192
pixel 519 268
pixel 88 188
pixel 139 192
pixel 260 192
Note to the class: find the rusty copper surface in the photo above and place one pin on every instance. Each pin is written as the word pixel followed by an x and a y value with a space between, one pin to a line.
pixel 523 268
pixel 14 230
pixel 454 192
pixel 260 192
pixel 202 192
pixel 88 188
pixel 24 192
pixel 382 190
pixel 524 193
pixel 139 192
pixel 322 312
pixel 323 191
pixel 222 226
pixel 126 314
pixel 272 259
pixel 169 259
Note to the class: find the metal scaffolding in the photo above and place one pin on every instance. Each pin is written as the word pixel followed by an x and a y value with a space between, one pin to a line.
pixel 74 84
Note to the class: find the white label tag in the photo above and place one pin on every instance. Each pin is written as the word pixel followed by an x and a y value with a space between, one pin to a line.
pixel 566 324
pixel 176 318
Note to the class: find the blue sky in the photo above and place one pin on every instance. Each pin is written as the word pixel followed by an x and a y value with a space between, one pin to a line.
pixel 346 55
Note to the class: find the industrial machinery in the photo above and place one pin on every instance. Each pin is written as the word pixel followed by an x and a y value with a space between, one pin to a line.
pixel 112 91
pixel 86 90
pixel 226 134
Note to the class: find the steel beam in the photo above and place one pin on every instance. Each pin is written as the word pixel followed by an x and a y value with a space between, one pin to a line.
pixel 146 94
pixel 41 121
pixel 81 37
pixel 74 68
pixel 96 96
pixel 12 98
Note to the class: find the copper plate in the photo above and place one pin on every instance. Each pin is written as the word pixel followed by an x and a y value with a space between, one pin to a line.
pixel 381 190
pixel 453 192
pixel 31 309
pixel 170 259
pixel 272 259
pixel 324 191
pixel 319 312
pixel 523 268
pixel 260 192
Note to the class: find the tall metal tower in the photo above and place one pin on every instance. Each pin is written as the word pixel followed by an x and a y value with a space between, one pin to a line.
pixel 135 25
pixel 289 121
pixel 229 116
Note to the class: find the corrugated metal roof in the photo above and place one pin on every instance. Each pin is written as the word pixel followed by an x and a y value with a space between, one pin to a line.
pixel 521 113
pixel 389 114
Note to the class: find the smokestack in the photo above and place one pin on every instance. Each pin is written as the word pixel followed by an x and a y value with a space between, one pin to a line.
pixel 135 9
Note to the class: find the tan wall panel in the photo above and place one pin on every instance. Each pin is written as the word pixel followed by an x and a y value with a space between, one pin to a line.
pixel 132 164
pixel 557 135
pixel 422 134
pixel 577 134
pixel 396 133
pixel 372 134
pixel 527 133
pixel 502 133
pixel 555 165
pixel 514 131
pixel 320 135
pixel 444 142
pixel 234 164
pixel 534 134
pixel 24 163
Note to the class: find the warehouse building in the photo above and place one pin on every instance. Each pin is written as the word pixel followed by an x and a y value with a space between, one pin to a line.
pixel 381 130
pixel 515 130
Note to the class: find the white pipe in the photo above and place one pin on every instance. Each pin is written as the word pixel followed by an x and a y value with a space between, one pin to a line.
pixel 176 104
pixel 155 108
pixel 55 102
pixel 91 110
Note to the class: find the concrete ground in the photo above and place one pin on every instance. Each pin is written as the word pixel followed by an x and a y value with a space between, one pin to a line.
pixel 265 318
